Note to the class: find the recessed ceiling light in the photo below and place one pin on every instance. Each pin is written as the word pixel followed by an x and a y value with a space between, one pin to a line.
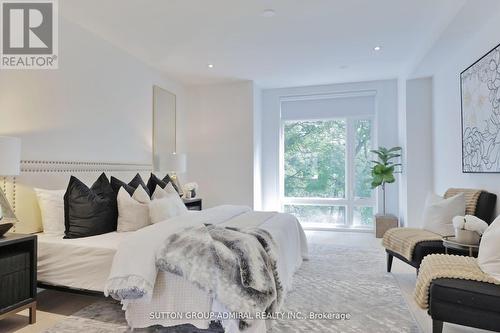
pixel 268 13
pixel 210 65
pixel 377 48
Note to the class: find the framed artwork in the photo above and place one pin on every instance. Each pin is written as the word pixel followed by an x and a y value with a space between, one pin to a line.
pixel 164 126
pixel 480 94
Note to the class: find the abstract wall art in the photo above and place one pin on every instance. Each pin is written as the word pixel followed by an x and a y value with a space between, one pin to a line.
pixel 480 90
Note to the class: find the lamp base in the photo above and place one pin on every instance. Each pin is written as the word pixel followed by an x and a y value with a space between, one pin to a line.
pixel 6 212
pixel 175 180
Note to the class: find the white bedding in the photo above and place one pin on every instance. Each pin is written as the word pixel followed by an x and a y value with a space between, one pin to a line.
pixel 133 272
pixel 85 263
pixel 81 263
pixel 292 247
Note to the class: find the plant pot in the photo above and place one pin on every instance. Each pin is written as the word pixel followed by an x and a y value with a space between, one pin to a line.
pixel 467 236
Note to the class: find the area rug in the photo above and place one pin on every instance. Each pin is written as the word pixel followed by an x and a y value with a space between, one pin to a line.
pixel 345 289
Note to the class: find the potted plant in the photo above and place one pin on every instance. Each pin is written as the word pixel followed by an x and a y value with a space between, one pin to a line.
pixel 383 171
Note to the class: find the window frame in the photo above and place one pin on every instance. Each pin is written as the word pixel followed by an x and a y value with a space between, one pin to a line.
pixel 350 201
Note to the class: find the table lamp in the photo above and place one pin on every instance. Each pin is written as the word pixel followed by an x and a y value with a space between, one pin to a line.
pixel 174 164
pixel 10 165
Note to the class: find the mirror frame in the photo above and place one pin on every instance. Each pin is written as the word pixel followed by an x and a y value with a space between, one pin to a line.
pixel 156 90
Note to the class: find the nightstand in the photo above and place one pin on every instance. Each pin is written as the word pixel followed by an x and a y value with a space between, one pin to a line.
pixel 18 264
pixel 193 204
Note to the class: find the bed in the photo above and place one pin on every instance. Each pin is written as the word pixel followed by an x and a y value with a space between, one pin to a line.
pixel 84 263
pixel 80 263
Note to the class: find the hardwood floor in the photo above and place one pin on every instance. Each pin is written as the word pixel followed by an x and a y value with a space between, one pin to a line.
pixel 54 306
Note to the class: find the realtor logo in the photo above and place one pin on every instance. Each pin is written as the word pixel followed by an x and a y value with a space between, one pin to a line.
pixel 29 38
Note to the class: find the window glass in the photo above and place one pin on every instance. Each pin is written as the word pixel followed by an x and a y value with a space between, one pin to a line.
pixel 363 216
pixel 362 157
pixel 318 214
pixel 315 159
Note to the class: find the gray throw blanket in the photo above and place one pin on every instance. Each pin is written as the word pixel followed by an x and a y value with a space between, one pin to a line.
pixel 238 266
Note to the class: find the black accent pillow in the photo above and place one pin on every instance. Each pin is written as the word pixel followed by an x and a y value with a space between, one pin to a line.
pixel 89 211
pixel 136 181
pixel 167 180
pixel 130 187
pixel 116 184
pixel 153 181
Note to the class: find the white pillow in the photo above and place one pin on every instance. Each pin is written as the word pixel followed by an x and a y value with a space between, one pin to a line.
pixel 165 205
pixel 133 211
pixel 51 204
pixel 439 213
pixel 489 250
pixel 160 193
pixel 164 209
pixel 170 189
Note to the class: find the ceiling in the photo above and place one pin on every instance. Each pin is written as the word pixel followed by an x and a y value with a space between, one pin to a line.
pixel 307 42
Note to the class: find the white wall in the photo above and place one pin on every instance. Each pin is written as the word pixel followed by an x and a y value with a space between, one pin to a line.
pixel 402 184
pixel 220 141
pixel 257 148
pixel 474 31
pixel 418 166
pixel 386 131
pixel 96 107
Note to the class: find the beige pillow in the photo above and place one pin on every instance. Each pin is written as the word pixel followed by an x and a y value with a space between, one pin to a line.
pixel 439 213
pixel 133 211
pixel 489 250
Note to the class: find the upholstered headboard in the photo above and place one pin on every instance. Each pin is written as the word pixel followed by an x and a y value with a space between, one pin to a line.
pixel 54 175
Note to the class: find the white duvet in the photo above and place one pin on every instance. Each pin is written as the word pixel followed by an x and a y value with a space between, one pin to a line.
pixel 133 274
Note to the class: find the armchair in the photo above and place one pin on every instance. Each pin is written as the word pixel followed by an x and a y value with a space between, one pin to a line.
pixel 426 242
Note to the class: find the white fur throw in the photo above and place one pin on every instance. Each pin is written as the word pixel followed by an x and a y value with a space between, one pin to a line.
pixel 237 265
pixel 133 273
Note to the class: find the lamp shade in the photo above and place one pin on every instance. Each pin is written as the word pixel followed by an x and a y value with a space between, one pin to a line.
pixel 174 162
pixel 10 156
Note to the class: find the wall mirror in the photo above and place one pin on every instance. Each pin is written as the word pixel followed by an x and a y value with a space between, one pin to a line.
pixel 164 126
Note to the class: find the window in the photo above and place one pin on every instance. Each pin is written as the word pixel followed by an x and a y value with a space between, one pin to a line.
pixel 325 171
